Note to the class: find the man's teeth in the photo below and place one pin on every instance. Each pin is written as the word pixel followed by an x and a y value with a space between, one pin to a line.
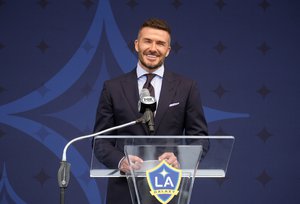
pixel 152 56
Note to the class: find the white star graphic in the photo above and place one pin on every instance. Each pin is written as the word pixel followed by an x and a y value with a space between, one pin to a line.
pixel 164 173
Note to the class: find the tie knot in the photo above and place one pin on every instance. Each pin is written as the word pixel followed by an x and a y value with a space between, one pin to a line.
pixel 148 85
pixel 150 76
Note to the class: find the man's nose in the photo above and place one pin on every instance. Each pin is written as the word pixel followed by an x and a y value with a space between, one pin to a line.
pixel 153 46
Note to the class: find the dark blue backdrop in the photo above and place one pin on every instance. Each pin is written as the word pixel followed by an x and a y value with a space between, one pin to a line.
pixel 55 55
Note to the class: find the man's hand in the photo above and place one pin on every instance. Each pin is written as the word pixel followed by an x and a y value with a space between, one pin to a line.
pixel 170 158
pixel 135 163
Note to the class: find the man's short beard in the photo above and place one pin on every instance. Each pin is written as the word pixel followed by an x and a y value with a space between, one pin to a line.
pixel 151 67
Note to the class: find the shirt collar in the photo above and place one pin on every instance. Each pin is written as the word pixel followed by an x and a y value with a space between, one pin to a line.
pixel 140 71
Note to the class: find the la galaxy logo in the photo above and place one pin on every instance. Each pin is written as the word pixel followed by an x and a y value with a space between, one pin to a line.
pixel 164 181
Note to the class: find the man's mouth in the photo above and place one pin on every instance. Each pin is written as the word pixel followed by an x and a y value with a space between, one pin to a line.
pixel 151 57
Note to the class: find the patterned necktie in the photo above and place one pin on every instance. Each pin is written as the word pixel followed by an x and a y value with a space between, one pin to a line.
pixel 148 84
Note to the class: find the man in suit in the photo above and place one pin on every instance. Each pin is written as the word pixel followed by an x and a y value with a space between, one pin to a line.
pixel 179 110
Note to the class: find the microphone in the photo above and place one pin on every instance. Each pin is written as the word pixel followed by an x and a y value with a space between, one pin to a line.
pixel 147 105
pixel 63 174
pixel 146 101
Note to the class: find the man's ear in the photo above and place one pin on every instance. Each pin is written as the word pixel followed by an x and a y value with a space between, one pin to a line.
pixel 136 47
pixel 168 52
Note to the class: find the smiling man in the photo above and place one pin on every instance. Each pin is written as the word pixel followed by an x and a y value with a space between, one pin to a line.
pixel 153 46
pixel 179 110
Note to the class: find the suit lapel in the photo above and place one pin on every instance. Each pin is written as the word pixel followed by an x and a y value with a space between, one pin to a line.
pixel 168 90
pixel 131 92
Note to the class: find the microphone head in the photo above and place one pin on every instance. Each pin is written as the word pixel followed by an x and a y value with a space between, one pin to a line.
pixel 144 92
pixel 146 101
pixel 146 98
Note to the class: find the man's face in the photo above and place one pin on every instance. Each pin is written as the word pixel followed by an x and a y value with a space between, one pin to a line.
pixel 153 46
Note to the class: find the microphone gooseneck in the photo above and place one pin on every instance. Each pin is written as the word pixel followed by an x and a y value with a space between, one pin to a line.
pixel 146 105
pixel 63 174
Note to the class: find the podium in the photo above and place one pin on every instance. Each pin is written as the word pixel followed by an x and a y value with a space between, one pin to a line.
pixel 154 181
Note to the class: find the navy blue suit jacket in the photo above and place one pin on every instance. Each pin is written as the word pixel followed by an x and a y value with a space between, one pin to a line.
pixel 119 104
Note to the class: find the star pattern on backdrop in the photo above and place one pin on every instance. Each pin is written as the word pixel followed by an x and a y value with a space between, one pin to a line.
pixel 176 3
pixel 176 47
pixel 88 3
pixel 2 134
pixel 220 47
pixel 43 90
pixel 42 133
pixel 87 46
pixel 264 5
pixel 43 46
pixel 264 91
pixel 221 181
pixel 87 89
pixel 264 48
pixel 264 178
pixel 220 132
pixel 130 45
pixel 2 2
pixel 220 91
pixel 2 89
pixel 132 4
pixel 2 46
pixel 43 3
pixel 42 177
pixel 264 134
pixel 220 4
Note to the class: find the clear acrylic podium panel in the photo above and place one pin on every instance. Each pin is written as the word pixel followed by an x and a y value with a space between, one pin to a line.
pixel 188 150
pixel 193 162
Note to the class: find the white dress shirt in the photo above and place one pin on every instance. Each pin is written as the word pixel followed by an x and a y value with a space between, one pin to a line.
pixel 156 81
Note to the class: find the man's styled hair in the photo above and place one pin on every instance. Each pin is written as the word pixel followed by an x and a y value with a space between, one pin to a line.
pixel 157 24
